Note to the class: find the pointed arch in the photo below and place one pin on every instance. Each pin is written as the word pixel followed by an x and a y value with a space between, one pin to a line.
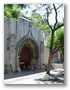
pixel 31 44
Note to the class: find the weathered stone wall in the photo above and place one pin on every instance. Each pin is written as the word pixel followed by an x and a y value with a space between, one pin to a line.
pixel 6 46
pixel 16 31
pixel 9 44
pixel 23 26
pixel 46 55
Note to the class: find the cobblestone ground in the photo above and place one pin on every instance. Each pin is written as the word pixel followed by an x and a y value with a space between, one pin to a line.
pixel 56 77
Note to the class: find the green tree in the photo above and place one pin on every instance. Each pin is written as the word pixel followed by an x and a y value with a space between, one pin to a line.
pixel 58 43
pixel 13 10
pixel 53 29
pixel 39 22
pixel 37 19
pixel 57 25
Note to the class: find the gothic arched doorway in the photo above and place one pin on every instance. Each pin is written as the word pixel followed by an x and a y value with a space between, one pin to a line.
pixel 27 54
pixel 25 58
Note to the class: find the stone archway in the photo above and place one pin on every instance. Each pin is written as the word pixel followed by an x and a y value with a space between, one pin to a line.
pixel 29 46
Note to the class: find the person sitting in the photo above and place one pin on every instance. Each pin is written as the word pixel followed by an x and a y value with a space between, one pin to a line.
pixel 34 67
pixel 45 66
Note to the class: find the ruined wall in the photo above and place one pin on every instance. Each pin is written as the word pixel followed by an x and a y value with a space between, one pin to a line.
pixel 6 46
pixel 9 44
pixel 14 31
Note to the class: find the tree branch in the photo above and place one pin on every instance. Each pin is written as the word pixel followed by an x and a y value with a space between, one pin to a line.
pixel 59 6
pixel 41 6
pixel 59 27
pixel 54 51
pixel 48 20
pixel 55 16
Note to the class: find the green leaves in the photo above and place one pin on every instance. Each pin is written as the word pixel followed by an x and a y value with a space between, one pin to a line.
pixel 58 42
pixel 37 19
pixel 39 23
pixel 49 11
pixel 34 10
pixel 22 6
pixel 13 10
pixel 44 27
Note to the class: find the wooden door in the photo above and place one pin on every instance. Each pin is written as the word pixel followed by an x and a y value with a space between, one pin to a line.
pixel 24 58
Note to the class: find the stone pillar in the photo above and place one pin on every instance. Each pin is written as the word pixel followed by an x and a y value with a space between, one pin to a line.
pixel 41 53
pixel 18 67
pixel 12 57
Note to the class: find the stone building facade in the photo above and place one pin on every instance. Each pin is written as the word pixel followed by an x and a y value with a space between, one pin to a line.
pixel 23 45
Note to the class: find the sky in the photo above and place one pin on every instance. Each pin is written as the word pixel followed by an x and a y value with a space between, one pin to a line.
pixel 42 11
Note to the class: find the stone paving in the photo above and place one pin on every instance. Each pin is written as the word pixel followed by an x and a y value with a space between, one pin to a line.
pixel 56 77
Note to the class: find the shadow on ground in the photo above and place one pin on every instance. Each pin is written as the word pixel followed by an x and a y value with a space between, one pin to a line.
pixel 57 77
pixel 22 73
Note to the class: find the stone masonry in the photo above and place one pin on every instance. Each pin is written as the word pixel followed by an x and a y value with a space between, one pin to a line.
pixel 19 34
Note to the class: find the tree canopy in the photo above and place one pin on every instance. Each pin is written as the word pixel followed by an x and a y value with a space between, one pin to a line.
pixel 13 10
pixel 39 22
pixel 58 43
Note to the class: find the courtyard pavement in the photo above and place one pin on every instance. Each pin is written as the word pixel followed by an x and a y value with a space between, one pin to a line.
pixel 36 77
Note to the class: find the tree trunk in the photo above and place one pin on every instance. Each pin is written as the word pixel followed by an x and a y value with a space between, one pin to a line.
pixel 49 62
pixel 50 53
